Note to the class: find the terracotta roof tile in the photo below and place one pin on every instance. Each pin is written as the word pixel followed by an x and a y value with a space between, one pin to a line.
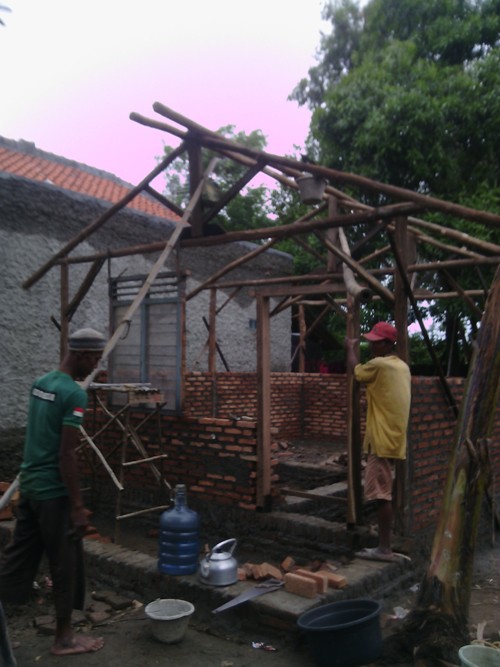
pixel 24 159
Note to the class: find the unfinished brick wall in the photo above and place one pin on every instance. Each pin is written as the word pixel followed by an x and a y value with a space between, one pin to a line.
pixel 215 458
pixel 304 405
pixel 430 438
pixel 216 454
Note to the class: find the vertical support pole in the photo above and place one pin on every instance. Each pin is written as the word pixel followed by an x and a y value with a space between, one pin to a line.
pixel 263 405
pixel 302 339
pixel 401 510
pixel 121 474
pixel 332 235
pixel 212 335
pixel 180 393
pixel 195 176
pixel 64 307
pixel 354 493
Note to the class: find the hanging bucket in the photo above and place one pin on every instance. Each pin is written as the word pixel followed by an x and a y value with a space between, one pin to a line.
pixel 311 188
pixel 343 634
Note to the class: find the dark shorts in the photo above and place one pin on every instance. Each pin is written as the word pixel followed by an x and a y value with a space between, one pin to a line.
pixel 42 527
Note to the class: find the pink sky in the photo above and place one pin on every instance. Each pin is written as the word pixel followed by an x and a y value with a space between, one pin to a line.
pixel 73 72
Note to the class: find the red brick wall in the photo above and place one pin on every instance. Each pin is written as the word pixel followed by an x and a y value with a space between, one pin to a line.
pixel 215 454
pixel 304 405
pixel 215 458
pixel 430 440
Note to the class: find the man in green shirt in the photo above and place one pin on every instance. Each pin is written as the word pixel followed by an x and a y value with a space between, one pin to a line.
pixel 51 516
pixel 388 392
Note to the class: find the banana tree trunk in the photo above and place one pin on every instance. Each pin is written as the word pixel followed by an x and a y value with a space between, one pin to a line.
pixel 437 626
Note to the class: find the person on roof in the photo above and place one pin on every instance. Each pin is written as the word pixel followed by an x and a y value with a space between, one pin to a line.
pixel 51 518
pixel 388 393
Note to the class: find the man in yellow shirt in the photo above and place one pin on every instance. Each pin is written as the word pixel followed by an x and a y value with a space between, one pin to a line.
pixel 388 393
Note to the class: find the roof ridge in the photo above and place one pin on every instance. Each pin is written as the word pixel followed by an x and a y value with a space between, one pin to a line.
pixel 36 164
pixel 30 148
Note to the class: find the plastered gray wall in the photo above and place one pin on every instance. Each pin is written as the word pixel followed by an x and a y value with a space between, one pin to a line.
pixel 38 219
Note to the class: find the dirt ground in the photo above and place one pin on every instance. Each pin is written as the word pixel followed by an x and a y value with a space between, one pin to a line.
pixel 128 638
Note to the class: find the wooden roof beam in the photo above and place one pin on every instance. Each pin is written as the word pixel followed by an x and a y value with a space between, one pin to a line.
pixel 364 183
pixel 286 231
pixel 471 241
pixel 90 229
pixel 210 282
pixel 363 273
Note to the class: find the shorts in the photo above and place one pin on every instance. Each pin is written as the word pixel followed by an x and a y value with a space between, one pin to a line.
pixel 379 477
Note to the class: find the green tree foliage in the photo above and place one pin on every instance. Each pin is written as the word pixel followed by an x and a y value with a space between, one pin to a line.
pixel 408 92
pixel 249 209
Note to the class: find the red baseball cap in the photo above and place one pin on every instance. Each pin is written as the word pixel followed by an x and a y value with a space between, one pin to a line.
pixel 382 331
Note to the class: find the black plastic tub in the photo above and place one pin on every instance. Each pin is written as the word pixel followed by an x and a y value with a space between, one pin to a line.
pixel 343 634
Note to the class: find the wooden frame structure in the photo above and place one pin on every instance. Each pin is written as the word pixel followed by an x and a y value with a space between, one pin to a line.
pixel 345 284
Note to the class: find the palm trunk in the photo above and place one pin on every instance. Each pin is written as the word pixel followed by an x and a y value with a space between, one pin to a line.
pixel 437 626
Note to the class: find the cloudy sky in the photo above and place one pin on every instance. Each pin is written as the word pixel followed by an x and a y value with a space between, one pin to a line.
pixel 73 71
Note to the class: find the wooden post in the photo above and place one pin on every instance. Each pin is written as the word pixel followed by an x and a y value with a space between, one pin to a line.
pixel 354 494
pixel 212 338
pixel 195 175
pixel 302 339
pixel 64 308
pixel 401 513
pixel 332 263
pixel 263 405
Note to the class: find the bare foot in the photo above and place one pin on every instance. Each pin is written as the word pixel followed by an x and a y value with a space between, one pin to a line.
pixel 77 644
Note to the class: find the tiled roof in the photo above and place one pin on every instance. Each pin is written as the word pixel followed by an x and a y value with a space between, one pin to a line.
pixel 22 158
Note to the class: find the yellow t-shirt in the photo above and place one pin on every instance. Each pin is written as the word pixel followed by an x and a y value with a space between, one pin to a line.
pixel 388 394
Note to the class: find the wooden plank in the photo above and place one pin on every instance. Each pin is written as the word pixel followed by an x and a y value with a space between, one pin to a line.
pixel 212 335
pixel 263 404
pixel 64 326
pixel 313 496
pixel 354 487
pixel 401 237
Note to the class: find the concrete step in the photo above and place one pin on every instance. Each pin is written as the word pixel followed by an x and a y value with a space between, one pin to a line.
pixel 135 574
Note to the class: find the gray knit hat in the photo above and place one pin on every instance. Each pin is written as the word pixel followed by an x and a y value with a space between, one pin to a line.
pixel 87 340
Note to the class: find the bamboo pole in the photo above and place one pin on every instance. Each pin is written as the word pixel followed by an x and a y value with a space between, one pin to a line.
pixel 212 340
pixel 362 294
pixel 386 295
pixel 242 159
pixel 229 267
pixel 425 238
pixel 425 201
pixel 354 489
pixel 64 326
pixel 401 321
pixel 425 335
pixel 99 454
pixel 263 405
pixel 461 237
pixel 84 287
pixel 157 267
pixel 302 340
pixel 90 229
pixel 470 303
pixel 287 231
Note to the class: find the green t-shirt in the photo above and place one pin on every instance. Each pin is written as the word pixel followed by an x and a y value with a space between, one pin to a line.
pixel 56 400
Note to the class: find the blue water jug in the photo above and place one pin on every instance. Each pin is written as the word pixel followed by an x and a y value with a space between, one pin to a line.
pixel 179 546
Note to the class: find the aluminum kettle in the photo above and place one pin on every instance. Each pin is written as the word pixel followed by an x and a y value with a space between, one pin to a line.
pixel 219 567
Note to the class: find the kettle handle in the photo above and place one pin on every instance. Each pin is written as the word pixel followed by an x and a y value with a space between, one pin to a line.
pixel 218 547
